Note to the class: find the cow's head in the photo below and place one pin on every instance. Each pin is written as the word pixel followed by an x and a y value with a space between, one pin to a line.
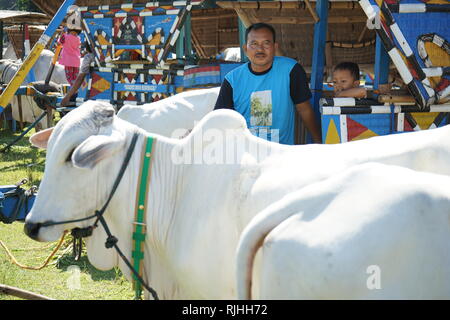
pixel 79 173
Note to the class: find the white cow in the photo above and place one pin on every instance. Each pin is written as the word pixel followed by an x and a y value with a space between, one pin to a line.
pixel 196 212
pixel 232 54
pixel 30 110
pixel 174 116
pixel 372 232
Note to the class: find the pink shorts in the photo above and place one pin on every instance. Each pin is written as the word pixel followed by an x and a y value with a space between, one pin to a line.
pixel 71 74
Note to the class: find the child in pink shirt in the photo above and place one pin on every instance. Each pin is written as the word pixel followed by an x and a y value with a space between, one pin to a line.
pixel 70 54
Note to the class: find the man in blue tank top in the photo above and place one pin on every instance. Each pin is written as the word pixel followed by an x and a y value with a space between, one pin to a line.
pixel 268 89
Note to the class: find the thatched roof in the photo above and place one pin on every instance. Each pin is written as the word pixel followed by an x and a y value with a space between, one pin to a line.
pixel 51 6
pixel 348 37
pixel 216 27
pixel 18 17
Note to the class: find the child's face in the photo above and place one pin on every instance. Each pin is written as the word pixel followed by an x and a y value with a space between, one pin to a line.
pixel 343 80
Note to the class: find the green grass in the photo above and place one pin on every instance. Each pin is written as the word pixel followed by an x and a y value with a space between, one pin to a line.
pixel 58 280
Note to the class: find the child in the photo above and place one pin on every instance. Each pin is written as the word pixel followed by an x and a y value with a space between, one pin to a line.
pixel 84 70
pixel 70 42
pixel 346 81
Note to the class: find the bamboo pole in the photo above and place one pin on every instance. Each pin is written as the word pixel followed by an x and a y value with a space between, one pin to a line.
pixel 20 293
pixel 198 45
pixel 312 11
pixel 395 99
pixel 217 16
pixel 283 5
pixel 298 20
pixel 361 35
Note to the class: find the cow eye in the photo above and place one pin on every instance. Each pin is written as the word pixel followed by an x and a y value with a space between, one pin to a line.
pixel 69 156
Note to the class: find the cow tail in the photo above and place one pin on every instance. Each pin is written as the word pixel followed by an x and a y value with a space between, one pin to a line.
pixel 252 239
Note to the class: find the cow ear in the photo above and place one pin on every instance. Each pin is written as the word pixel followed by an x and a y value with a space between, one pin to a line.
pixel 40 139
pixel 96 148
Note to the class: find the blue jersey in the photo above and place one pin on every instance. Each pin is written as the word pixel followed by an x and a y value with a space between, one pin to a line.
pixel 265 100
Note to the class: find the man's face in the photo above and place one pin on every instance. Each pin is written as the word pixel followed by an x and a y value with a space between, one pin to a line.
pixel 260 49
pixel 343 80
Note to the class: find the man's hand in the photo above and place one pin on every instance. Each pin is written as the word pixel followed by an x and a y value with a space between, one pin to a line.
pixel 307 114
pixel 65 101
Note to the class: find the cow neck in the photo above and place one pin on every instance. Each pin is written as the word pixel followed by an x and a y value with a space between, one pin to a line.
pixel 163 191
pixel 165 184
pixel 139 224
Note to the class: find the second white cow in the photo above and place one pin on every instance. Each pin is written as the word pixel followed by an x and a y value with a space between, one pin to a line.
pixel 174 116
pixel 372 232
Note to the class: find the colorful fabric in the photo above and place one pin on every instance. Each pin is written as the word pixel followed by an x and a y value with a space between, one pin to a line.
pixel 71 74
pixel 70 53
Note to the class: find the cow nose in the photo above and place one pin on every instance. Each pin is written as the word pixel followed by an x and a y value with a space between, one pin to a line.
pixel 32 229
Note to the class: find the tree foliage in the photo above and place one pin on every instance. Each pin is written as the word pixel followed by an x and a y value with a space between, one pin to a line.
pixel 20 5
pixel 260 112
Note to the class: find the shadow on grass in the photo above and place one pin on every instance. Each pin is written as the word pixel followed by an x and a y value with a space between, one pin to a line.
pixel 23 157
pixel 83 263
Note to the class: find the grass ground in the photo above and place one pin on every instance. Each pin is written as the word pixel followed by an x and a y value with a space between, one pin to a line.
pixel 64 278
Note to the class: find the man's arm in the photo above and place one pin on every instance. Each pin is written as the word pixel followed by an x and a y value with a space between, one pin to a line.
pixel 300 95
pixel 225 98
pixel 73 89
pixel 307 114
pixel 84 70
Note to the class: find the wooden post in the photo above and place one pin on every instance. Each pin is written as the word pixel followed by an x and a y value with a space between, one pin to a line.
pixel 1 38
pixel 318 60
pixel 217 51
pixel 49 117
pixel 179 49
pixel 242 29
pixel 328 57
pixel 19 105
pixel 381 65
pixel 20 293
pixel 188 36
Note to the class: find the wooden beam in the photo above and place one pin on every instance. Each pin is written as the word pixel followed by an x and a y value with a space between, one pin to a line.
pixel 295 20
pixel 228 30
pixel 283 5
pixel 311 10
pixel 214 46
pixel 361 35
pixel 197 45
pixel 395 99
pixel 245 17
pixel 208 17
